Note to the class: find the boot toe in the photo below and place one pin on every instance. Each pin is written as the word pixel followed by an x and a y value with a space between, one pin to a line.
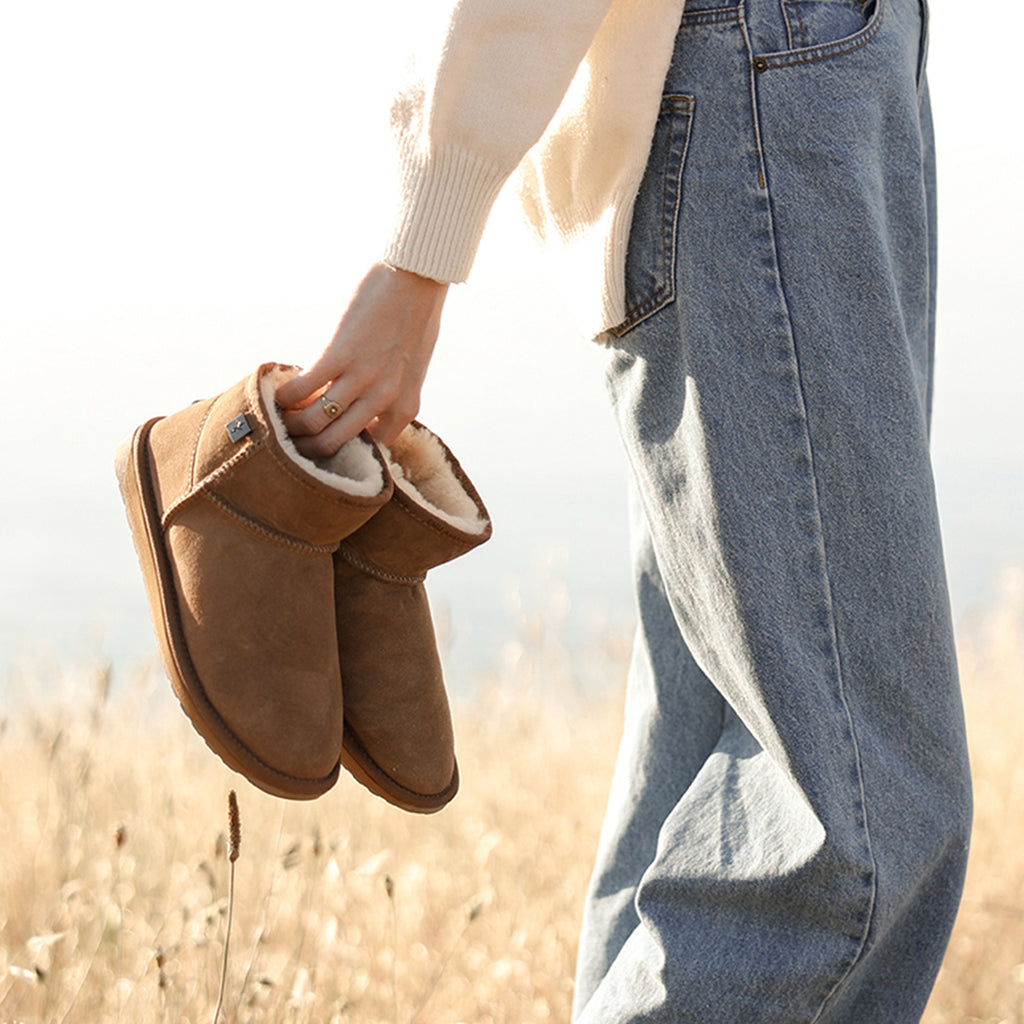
pixel 422 783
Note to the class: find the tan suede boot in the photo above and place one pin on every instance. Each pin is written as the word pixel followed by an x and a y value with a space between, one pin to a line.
pixel 235 532
pixel 398 737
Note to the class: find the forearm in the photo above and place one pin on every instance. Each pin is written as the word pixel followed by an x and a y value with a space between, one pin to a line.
pixel 492 87
pixel 489 90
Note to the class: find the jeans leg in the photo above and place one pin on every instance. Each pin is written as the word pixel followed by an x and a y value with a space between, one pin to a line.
pixel 774 405
pixel 673 720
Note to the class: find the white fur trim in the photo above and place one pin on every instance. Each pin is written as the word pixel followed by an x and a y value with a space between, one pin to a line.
pixel 420 469
pixel 353 469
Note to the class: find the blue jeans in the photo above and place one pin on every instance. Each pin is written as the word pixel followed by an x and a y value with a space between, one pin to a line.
pixel 788 824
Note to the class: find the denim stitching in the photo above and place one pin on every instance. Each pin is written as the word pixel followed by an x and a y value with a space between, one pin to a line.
pixel 676 108
pixel 787 9
pixel 762 176
pixel 831 627
pixel 761 64
pixel 711 17
pixel 766 62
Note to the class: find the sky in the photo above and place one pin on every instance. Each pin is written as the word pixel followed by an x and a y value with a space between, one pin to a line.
pixel 189 190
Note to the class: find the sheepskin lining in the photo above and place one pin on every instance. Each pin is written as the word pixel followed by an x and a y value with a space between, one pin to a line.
pixel 353 469
pixel 420 468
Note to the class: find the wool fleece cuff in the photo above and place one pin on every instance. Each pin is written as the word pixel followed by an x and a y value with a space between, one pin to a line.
pixel 398 737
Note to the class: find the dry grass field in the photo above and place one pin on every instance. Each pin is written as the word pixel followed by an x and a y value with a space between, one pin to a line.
pixel 114 871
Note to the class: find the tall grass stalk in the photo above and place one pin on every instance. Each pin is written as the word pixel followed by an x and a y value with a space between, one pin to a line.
pixel 389 888
pixel 234 848
pixel 120 838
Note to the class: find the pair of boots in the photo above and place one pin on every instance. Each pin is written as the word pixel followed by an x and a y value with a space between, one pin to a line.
pixel 287 594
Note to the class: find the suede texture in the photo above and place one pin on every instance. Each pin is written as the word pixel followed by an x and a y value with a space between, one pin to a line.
pixel 398 736
pixel 405 539
pixel 236 538
pixel 396 707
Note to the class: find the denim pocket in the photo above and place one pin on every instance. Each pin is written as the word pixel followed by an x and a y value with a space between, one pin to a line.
pixel 816 22
pixel 651 253
pixel 820 29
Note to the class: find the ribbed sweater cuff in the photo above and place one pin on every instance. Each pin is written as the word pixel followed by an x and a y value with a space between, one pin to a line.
pixel 446 199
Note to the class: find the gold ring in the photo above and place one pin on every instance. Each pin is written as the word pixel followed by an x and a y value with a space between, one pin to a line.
pixel 330 407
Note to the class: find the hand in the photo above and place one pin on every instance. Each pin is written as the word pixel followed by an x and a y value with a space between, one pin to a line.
pixel 374 366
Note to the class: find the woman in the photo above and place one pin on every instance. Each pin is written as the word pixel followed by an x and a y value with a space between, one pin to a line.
pixel 747 194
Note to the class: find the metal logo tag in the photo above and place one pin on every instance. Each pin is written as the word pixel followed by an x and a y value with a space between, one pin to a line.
pixel 239 427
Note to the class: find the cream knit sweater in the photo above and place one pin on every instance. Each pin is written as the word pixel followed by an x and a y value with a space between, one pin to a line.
pixel 568 92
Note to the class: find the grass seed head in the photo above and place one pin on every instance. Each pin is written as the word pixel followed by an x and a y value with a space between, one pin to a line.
pixel 234 827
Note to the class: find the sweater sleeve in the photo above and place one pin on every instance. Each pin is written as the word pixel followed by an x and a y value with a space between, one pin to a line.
pixel 489 91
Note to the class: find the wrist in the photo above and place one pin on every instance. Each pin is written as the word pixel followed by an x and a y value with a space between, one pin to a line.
pixel 413 278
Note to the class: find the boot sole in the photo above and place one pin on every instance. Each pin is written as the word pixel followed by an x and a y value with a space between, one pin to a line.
pixel 362 767
pixel 132 465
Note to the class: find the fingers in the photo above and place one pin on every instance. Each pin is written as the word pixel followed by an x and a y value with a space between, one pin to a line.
pixel 385 429
pixel 321 427
pixel 302 388
pixel 371 373
pixel 317 412
pixel 339 412
pixel 322 441
pixel 349 424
